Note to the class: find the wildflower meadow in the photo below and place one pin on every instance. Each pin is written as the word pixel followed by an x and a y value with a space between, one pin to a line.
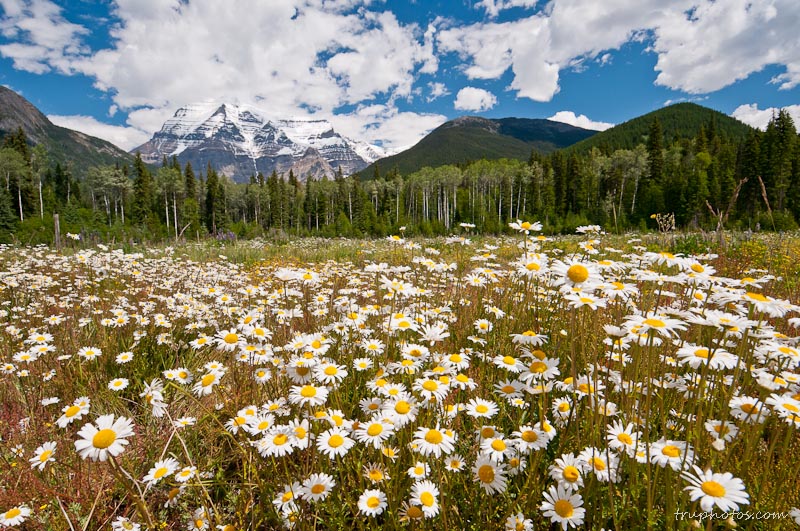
pixel 515 383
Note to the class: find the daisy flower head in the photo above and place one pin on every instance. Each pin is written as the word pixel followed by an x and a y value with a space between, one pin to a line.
pixel 574 274
pixel 118 384
pixel 434 441
pixel 43 455
pixel 420 470
pixel 106 437
pixel 425 494
pixel 90 353
pixel 714 489
pixel 490 475
pixel 679 455
pixel 376 473
pixel 525 226
pixel 496 448
pixel 658 323
pixel 374 433
pixel 480 408
pixel 14 516
pixel 317 487
pixel 185 474
pixel 568 471
pixel 528 439
pixel 334 442
pixel 372 502
pixel 124 357
pixel 518 522
pixel 121 523
pixel 454 463
pixel 308 394
pixel 563 507
pixel 160 470
pixel 76 411
pixel 204 386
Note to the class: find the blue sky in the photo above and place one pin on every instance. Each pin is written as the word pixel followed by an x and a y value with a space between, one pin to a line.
pixel 389 71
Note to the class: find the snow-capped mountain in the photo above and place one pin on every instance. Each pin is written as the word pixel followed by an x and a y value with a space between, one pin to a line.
pixel 239 141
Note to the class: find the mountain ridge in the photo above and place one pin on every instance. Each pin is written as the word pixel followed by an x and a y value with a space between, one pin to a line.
pixel 71 148
pixel 469 138
pixel 239 141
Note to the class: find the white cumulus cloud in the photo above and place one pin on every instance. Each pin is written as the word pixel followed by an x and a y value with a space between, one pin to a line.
pixel 293 57
pixel 701 45
pixel 759 118
pixel 474 99
pixel 580 120
pixel 123 137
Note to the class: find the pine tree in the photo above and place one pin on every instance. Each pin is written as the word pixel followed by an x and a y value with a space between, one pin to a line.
pixel 142 207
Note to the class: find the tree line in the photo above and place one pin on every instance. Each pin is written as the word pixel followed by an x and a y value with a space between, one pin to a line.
pixel 706 181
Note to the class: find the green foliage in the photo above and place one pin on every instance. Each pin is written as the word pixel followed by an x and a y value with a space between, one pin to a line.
pixel 471 138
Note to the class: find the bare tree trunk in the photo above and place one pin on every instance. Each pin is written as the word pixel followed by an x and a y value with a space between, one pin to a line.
pixel 19 198
pixel 41 202
pixel 175 215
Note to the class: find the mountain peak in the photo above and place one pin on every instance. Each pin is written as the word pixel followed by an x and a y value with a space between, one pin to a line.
pixel 240 140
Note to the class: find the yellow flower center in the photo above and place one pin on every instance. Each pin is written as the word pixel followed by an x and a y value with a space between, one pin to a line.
pixel 402 407
pixel 373 502
pixel 671 451
pixel 486 473
pixel 563 508
pixel 374 430
pixel 578 273
pixel 487 432
pixel 430 385
pixel 508 389
pixel 498 445
pixel 160 473
pixel 509 360
pixel 427 499
pixel 434 437
pixel 756 296
pixel 791 407
pixel 280 439
pixel 481 408
pixel 571 474
pixel 414 512
pixel 308 391
pixel 316 344
pixel 104 438
pixel 598 463
pixel 318 489
pixel 287 496
pixel 231 338
pixel 330 370
pixel 529 436
pixel 532 266
pixel 654 323
pixel 71 411
pixel 335 441
pixel 45 455
pixel 208 379
pixel 625 439
pixel 12 513
pixel 697 268
pixel 712 488
pixel 701 353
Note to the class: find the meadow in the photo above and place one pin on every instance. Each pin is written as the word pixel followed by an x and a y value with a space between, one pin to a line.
pixel 520 382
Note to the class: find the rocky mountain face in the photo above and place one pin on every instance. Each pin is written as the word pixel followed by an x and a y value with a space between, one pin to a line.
pixel 239 141
pixel 74 150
